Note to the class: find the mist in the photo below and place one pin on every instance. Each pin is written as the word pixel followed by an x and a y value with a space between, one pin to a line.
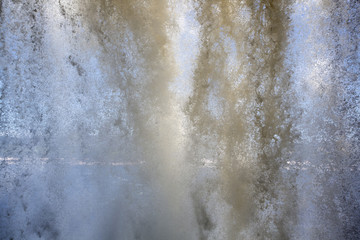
pixel 188 119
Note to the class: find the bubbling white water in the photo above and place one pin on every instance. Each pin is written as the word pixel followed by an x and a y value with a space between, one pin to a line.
pixel 185 119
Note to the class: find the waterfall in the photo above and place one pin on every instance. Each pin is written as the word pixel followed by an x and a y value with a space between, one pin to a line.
pixel 188 119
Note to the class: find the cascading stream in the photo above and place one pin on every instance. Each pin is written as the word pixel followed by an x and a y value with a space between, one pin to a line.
pixel 187 119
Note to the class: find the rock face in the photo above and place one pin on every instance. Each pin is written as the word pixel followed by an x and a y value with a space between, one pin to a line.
pixel 188 119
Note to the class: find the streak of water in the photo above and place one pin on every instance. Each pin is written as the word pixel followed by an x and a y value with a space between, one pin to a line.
pixel 185 119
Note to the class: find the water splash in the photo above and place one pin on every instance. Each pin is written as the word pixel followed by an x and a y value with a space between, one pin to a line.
pixel 179 119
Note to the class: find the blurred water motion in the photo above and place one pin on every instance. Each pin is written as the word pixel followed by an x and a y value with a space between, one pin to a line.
pixel 186 119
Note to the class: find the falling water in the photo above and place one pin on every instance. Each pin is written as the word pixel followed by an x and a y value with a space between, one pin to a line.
pixel 188 119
